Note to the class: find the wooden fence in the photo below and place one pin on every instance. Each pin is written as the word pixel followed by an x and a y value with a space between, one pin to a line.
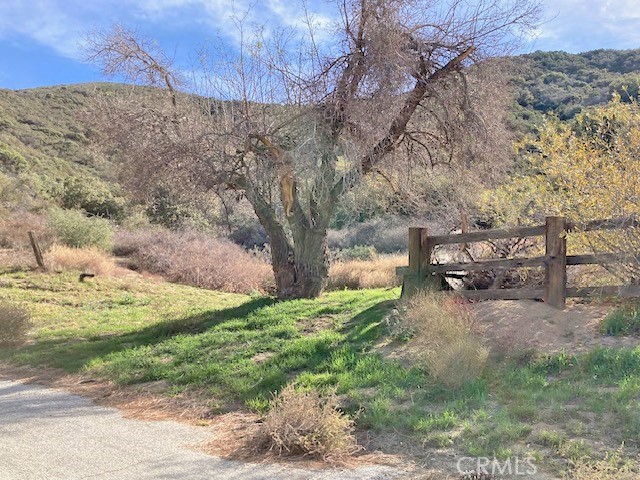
pixel 421 273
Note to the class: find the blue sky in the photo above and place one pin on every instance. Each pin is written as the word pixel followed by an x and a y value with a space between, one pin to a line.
pixel 40 40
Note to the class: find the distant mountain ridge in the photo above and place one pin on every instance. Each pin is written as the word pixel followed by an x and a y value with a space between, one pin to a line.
pixel 44 140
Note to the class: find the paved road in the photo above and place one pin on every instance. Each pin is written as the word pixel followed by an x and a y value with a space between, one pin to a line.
pixel 53 435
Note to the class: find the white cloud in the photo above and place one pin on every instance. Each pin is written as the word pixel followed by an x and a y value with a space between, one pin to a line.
pixel 42 21
pixel 60 24
pixel 580 25
pixel 574 25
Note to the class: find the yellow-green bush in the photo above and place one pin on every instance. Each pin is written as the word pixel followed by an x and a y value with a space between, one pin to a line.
pixel 74 228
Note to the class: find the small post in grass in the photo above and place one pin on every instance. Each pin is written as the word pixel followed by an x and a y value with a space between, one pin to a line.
pixel 36 250
pixel 555 285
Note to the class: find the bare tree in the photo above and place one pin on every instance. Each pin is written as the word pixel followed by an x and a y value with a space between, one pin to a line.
pixel 293 121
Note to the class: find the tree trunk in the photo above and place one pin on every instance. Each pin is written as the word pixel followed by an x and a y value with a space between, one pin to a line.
pixel 300 268
pixel 300 271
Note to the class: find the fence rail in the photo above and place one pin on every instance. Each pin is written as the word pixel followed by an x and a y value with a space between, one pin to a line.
pixel 421 273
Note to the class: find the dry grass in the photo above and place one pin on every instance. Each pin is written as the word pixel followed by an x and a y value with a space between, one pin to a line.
pixel 304 423
pixel 89 260
pixel 17 259
pixel 14 230
pixel 376 273
pixel 14 324
pixel 613 467
pixel 196 259
pixel 443 337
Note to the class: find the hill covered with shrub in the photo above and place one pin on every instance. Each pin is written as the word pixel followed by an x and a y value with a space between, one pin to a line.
pixel 48 152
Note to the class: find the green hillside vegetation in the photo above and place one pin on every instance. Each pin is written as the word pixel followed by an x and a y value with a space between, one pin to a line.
pixel 49 153
pixel 46 153
pixel 563 84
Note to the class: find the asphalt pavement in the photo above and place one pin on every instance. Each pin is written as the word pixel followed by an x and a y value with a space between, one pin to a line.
pixel 54 435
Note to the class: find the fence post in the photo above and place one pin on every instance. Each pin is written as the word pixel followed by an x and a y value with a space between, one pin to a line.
pixel 418 275
pixel 36 250
pixel 555 284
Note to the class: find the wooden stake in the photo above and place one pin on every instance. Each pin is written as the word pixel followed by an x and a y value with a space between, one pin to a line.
pixel 36 250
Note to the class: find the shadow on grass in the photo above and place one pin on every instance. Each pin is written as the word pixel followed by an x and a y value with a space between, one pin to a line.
pixel 74 355
pixel 313 356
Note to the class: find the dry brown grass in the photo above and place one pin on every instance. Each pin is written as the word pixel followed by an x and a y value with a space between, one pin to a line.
pixel 14 324
pixel 89 260
pixel 196 259
pixel 17 259
pixel 443 340
pixel 376 273
pixel 613 467
pixel 14 230
pixel 305 423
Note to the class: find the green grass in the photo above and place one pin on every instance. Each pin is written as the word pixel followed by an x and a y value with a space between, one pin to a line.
pixel 237 350
pixel 624 320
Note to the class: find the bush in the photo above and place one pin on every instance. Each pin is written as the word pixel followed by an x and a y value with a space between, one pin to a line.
pixel 443 338
pixel 93 196
pixel 14 324
pixel 304 423
pixel 387 235
pixel 357 252
pixel 378 273
pixel 74 229
pixel 195 259
pixel 88 260
pixel 622 321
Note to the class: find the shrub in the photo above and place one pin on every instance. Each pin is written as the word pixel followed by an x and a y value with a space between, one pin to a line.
pixel 195 259
pixel 622 321
pixel 377 273
pixel 387 235
pixel 304 423
pixel 443 337
pixel 357 252
pixel 14 324
pixel 93 196
pixel 90 260
pixel 74 229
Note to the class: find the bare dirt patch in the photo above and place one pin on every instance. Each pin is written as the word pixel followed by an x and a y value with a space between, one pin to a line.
pixel 527 324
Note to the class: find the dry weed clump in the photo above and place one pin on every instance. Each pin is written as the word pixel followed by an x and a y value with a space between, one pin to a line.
pixel 14 324
pixel 89 259
pixel 376 273
pixel 17 259
pixel 305 423
pixel 613 467
pixel 196 259
pixel 443 338
pixel 14 230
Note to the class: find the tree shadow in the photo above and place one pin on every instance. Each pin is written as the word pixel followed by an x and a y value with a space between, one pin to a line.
pixel 73 355
pixel 359 332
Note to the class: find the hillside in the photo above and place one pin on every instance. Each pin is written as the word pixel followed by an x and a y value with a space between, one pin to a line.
pixel 562 83
pixel 46 151
pixel 44 143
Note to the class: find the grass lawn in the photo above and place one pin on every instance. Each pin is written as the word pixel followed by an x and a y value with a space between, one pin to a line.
pixel 238 349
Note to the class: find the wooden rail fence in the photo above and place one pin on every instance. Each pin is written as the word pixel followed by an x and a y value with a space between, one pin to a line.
pixel 421 273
